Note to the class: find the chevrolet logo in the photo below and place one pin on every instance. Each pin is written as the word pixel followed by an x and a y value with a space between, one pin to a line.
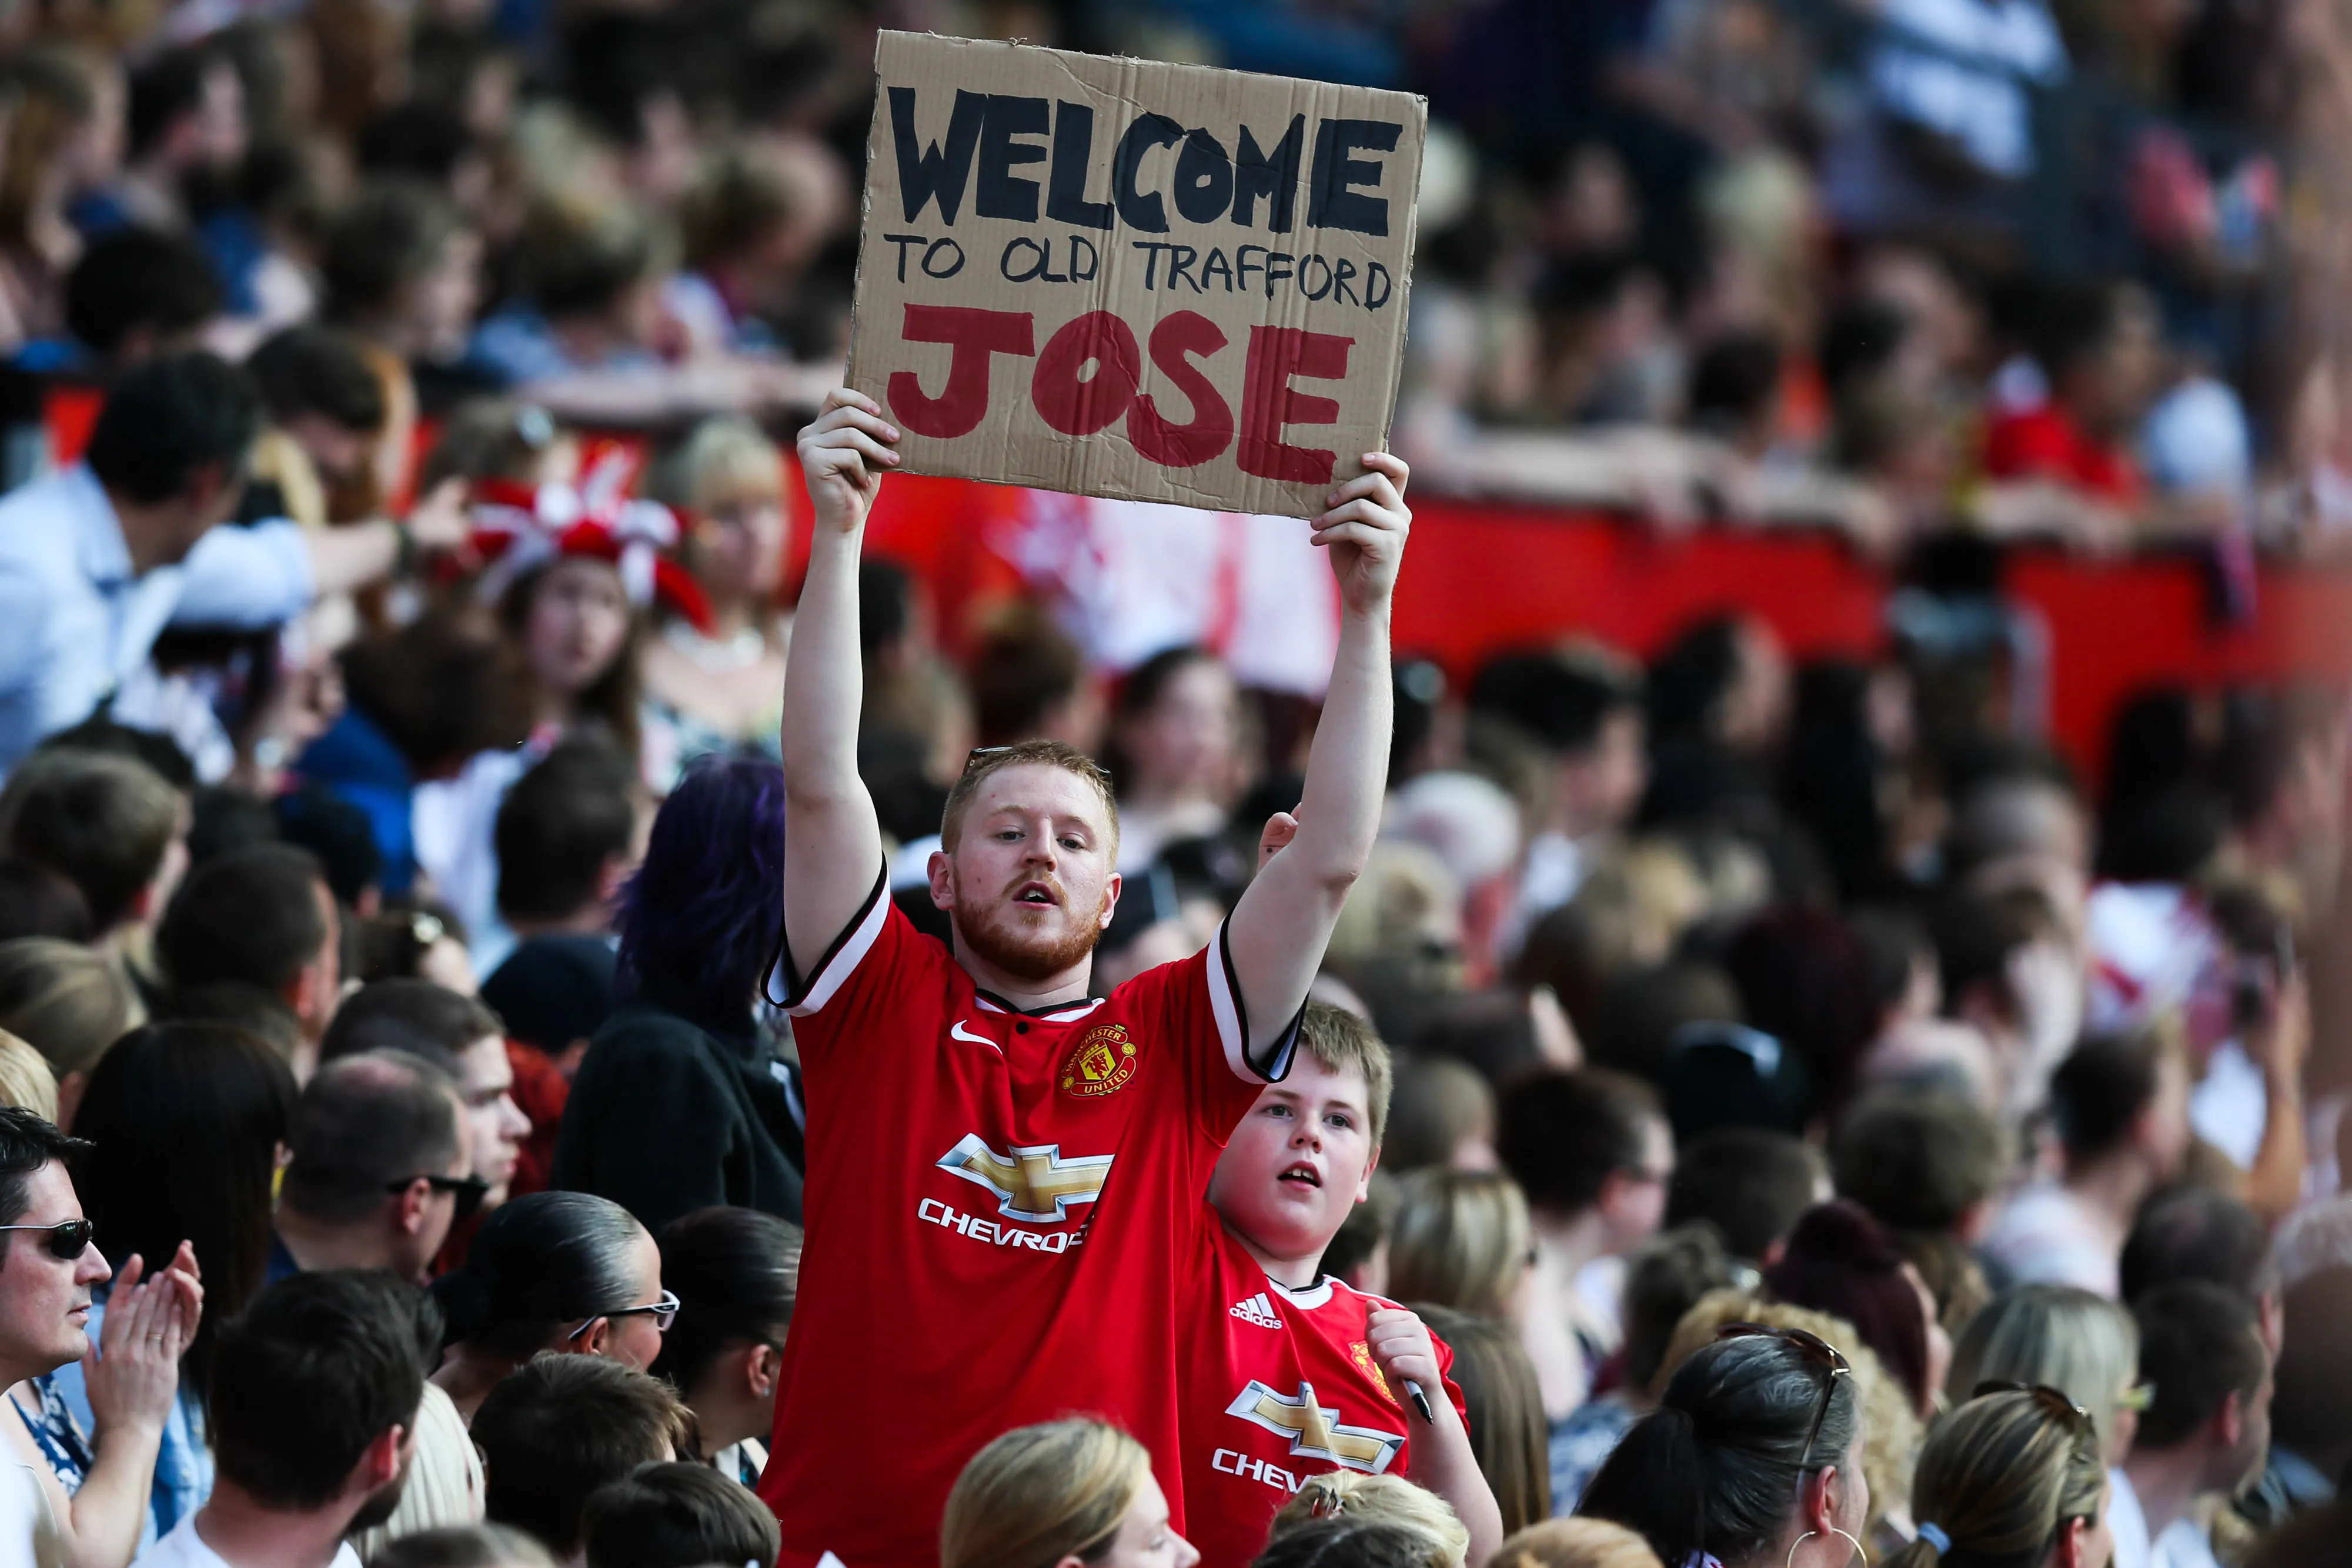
pixel 1313 1432
pixel 1037 1183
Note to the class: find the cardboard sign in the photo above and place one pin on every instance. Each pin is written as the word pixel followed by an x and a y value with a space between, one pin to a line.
pixel 1117 277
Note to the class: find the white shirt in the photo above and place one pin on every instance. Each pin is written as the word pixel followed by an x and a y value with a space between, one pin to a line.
pixel 2046 1237
pixel 184 1548
pixel 2184 1544
pixel 76 620
pixel 2125 1523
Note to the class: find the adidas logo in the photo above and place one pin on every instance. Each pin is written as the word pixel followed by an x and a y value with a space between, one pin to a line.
pixel 1257 1309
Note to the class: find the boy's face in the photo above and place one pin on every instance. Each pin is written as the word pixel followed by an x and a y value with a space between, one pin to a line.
pixel 1299 1160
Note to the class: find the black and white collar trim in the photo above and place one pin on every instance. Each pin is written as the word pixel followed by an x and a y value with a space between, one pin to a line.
pixel 1308 1298
pixel 1059 1012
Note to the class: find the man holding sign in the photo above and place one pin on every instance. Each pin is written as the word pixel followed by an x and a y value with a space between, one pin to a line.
pixel 1005 1175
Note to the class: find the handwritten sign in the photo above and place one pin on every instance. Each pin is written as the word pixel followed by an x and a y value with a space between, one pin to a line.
pixel 1119 277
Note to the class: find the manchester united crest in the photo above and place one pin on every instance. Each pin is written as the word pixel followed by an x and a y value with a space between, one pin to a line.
pixel 1100 1063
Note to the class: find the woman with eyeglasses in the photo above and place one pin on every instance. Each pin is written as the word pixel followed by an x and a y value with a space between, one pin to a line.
pixel 561 1271
pixel 2012 1477
pixel 1752 1458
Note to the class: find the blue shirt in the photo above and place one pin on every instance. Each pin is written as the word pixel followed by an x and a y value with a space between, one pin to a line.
pixel 183 1465
pixel 77 620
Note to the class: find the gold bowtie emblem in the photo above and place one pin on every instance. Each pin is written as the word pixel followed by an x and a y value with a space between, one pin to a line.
pixel 1035 1183
pixel 1315 1432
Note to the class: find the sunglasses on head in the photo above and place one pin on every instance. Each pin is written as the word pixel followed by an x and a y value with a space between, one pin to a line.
pixel 1816 1349
pixel 68 1237
pixel 2072 1416
pixel 469 1190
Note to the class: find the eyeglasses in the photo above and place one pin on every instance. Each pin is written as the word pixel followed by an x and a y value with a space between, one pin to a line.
pixel 663 1311
pixel 469 1190
pixel 1815 1349
pixel 68 1237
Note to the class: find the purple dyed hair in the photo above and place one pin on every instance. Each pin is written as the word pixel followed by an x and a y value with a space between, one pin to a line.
pixel 701 919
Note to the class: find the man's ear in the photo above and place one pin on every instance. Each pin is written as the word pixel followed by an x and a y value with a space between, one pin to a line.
pixel 2229 1420
pixel 1111 901
pixel 1364 1182
pixel 610 878
pixel 408 1208
pixel 379 1462
pixel 943 874
pixel 142 908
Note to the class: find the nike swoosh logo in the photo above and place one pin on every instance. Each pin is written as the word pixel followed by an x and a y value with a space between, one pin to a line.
pixel 958 1031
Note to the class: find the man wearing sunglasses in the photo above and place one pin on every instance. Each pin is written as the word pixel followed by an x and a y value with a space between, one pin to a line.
pixel 996 1157
pixel 380 1169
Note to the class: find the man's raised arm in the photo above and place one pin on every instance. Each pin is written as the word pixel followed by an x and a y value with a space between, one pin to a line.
pixel 1280 929
pixel 833 842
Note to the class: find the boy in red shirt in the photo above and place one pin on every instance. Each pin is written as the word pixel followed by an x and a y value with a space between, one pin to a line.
pixel 1004 1172
pixel 1289 1372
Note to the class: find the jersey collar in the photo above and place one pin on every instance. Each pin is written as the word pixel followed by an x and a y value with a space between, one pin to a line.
pixel 1060 1012
pixel 1315 1295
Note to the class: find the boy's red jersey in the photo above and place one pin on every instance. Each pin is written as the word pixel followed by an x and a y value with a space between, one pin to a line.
pixel 1000 1208
pixel 1280 1384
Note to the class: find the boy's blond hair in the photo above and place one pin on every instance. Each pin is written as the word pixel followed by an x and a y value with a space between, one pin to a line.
pixel 1341 1042
pixel 1379 1500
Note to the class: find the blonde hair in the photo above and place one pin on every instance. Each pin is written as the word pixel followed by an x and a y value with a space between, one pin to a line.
pixel 1574 1543
pixel 724 456
pixel 1039 1494
pixel 1461 1239
pixel 2085 1346
pixel 64 1000
pixel 1999 1475
pixel 1890 1430
pixel 1340 1041
pixel 1404 886
pixel 1378 1500
pixel 25 1079
pixel 981 765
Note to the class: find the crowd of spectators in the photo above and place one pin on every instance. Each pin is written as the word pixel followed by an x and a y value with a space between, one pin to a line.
pixel 1753 1106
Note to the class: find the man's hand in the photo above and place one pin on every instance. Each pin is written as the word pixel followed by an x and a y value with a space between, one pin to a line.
pixel 844 455
pixel 1365 530
pixel 2279 1042
pixel 1280 829
pixel 439 523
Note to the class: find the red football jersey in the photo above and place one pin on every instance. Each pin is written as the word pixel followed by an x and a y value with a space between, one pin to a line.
pixel 1280 1384
pixel 1001 1206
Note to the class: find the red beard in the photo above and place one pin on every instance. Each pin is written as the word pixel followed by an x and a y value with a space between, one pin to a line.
pixel 991 937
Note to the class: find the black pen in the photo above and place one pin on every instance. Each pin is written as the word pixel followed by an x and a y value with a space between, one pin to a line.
pixel 1421 1401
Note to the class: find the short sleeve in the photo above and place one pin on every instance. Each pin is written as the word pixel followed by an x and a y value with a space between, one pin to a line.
pixel 249 577
pixel 859 989
pixel 1199 1004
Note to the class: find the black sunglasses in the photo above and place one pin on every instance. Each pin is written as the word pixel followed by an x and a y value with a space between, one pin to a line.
pixel 469 1190
pixel 68 1237
pixel 1815 1349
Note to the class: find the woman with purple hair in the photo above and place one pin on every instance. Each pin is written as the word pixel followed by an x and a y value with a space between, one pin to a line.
pixel 679 1104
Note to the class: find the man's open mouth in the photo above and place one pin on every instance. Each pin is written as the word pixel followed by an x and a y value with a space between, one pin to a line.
pixel 1035 893
pixel 1303 1174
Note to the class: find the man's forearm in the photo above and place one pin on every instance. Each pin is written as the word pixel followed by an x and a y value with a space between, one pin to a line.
pixel 825 678
pixel 343 558
pixel 1347 767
